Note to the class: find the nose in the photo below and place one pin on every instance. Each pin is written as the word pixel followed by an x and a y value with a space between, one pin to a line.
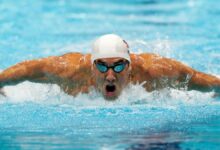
pixel 110 77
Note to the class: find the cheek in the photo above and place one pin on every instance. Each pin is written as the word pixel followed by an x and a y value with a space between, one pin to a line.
pixel 123 78
pixel 99 77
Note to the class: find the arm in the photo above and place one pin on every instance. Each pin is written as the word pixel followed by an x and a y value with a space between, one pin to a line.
pixel 28 70
pixel 46 70
pixel 156 67
pixel 204 82
pixel 197 80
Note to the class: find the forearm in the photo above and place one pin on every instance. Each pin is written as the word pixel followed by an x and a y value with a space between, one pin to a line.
pixel 28 70
pixel 198 80
pixel 204 82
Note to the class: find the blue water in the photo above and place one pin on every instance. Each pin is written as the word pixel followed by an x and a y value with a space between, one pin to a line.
pixel 36 116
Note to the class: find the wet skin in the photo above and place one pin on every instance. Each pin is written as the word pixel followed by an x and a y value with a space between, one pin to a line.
pixel 111 83
pixel 74 73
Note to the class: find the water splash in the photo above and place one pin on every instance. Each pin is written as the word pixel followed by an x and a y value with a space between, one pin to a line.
pixel 161 46
pixel 132 95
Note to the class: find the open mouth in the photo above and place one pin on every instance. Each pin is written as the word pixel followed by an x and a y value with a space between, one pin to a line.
pixel 110 88
pixel 110 92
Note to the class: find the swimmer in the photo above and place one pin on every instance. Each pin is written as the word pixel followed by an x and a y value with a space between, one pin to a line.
pixel 109 69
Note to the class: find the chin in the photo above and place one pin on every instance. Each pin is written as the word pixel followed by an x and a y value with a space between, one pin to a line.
pixel 110 98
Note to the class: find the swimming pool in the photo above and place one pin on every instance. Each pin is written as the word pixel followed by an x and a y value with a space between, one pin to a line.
pixel 36 116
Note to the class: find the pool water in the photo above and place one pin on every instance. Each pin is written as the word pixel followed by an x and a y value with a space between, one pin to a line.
pixel 37 116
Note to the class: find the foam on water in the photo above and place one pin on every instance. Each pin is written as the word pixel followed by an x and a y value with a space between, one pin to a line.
pixel 135 117
pixel 133 94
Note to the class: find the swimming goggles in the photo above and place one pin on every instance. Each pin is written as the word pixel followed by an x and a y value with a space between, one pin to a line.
pixel 117 67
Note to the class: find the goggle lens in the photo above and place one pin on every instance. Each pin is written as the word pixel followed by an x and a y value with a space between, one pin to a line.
pixel 102 68
pixel 116 68
pixel 119 68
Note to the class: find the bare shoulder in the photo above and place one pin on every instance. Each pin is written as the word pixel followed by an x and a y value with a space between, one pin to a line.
pixel 73 69
pixel 68 63
pixel 79 63
pixel 158 66
pixel 140 64
pixel 70 58
pixel 152 68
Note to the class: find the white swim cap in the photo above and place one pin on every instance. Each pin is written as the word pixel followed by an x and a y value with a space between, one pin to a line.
pixel 109 46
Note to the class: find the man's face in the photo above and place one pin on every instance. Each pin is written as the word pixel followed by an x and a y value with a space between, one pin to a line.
pixel 111 76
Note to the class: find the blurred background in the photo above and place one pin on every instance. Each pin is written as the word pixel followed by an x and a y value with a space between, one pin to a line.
pixel 182 29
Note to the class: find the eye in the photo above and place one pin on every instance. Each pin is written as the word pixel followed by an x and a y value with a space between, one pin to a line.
pixel 119 68
pixel 102 68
